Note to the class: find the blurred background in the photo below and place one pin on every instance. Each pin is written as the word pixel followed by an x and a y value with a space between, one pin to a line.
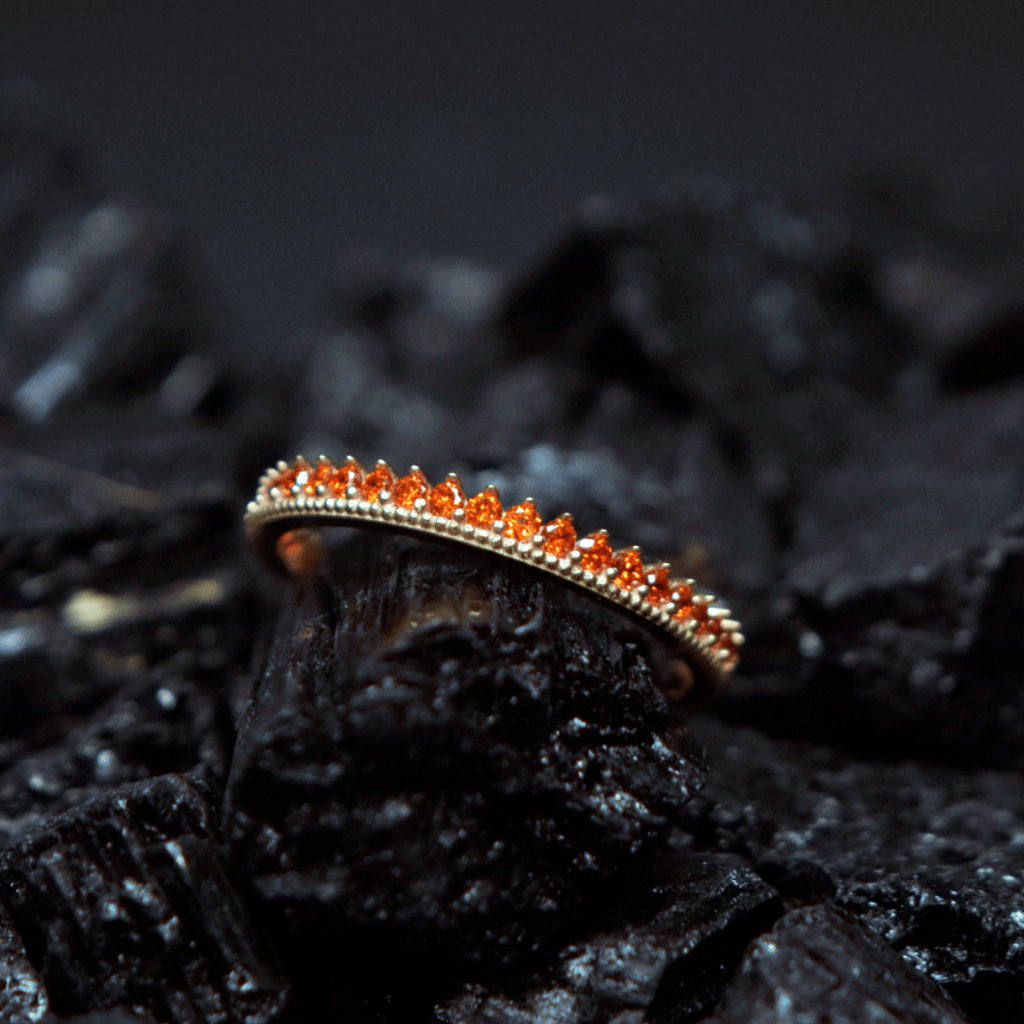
pixel 278 135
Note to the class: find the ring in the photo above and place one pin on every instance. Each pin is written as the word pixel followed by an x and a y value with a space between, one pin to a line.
pixel 292 499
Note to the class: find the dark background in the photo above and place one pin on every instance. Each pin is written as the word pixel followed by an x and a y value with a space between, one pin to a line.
pixel 279 134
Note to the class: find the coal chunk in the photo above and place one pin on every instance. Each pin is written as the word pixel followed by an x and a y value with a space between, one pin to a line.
pixel 135 1015
pixel 819 965
pixel 23 996
pixel 664 951
pixel 893 626
pixel 126 900
pixel 447 747
pixel 141 599
pixel 930 859
pixel 152 726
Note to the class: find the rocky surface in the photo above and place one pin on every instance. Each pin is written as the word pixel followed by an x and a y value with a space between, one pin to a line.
pixel 816 965
pixel 451 750
pixel 104 893
pixel 427 786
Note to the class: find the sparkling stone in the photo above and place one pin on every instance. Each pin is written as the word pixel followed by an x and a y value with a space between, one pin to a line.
pixel 410 487
pixel 725 643
pixel 381 478
pixel 522 521
pixel 348 474
pixel 559 536
pixel 629 568
pixel 691 610
pixel 320 476
pixel 656 580
pixel 595 552
pixel 290 476
pixel 709 627
pixel 484 509
pixel 446 497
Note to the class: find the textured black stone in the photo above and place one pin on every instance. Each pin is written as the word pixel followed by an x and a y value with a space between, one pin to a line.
pixel 894 623
pixel 152 726
pixel 149 602
pixel 125 900
pixel 816 965
pixel 135 1015
pixel 452 749
pixel 932 860
pixel 23 998
pixel 663 951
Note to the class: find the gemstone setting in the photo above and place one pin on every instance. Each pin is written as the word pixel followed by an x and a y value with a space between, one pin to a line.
pixel 299 494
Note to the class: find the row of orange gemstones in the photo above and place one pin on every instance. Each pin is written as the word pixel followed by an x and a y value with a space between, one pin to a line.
pixel 522 522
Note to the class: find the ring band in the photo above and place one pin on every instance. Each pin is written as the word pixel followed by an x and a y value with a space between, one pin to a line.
pixel 294 498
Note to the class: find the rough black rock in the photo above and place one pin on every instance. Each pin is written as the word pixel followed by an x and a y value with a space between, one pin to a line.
pixel 450 749
pixel 126 900
pixel 23 997
pixel 929 858
pixel 816 966
pixel 662 952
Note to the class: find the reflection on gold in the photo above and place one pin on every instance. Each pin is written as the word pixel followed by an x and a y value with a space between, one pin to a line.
pixel 678 679
pixel 301 552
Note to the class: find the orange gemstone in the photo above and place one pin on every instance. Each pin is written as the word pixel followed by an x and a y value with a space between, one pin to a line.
pixel 446 497
pixel 559 536
pixel 725 643
pixel 348 474
pixel 485 509
pixel 690 609
pixel 595 552
pixel 318 477
pixel 710 626
pixel 656 580
pixel 380 478
pixel 522 521
pixel 291 475
pixel 411 487
pixel 630 568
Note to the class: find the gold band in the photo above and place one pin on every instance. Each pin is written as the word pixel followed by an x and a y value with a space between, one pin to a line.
pixel 296 497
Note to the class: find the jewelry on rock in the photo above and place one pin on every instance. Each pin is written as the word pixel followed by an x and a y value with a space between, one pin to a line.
pixel 294 498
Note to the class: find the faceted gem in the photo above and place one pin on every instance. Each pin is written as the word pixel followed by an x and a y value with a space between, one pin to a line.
pixel 319 477
pixel 595 552
pixel 348 474
pixel 410 487
pixel 522 521
pixel 484 509
pixel 656 580
pixel 691 609
pixel 710 626
pixel 725 643
pixel 446 497
pixel 559 536
pixel 630 568
pixel 291 475
pixel 380 478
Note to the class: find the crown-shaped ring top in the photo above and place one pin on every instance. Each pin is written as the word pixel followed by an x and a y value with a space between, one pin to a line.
pixel 301 494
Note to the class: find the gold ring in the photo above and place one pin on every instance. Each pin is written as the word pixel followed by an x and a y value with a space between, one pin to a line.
pixel 294 498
